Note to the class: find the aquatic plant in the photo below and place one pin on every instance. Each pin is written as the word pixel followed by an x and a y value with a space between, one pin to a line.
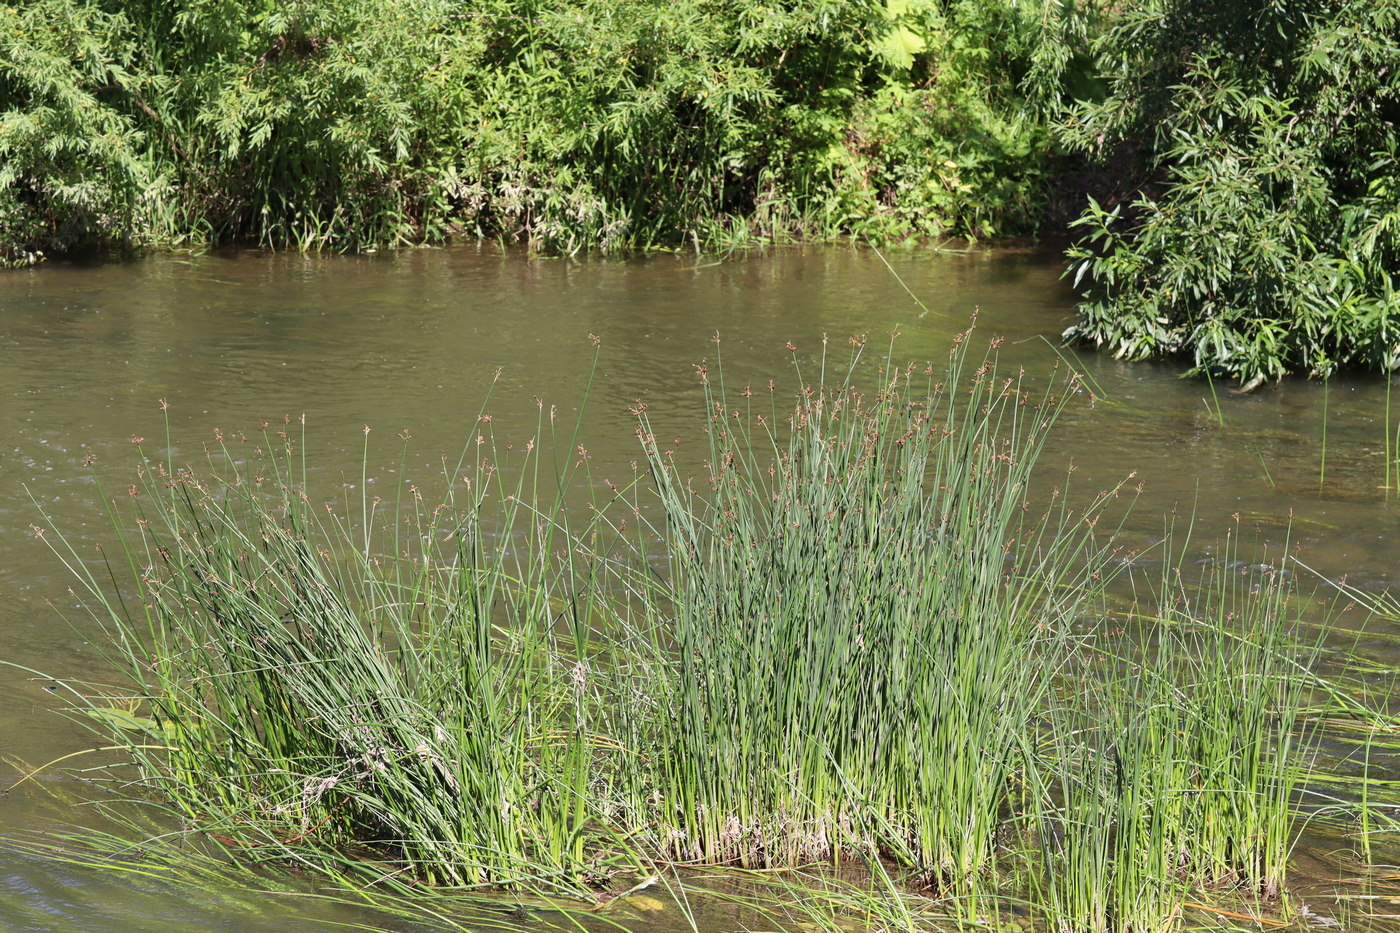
pixel 858 625
pixel 858 582
pixel 1179 763
pixel 314 676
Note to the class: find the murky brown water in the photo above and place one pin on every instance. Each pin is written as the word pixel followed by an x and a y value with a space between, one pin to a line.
pixel 410 342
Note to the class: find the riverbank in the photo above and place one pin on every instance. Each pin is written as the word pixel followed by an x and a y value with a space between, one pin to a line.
pixel 583 128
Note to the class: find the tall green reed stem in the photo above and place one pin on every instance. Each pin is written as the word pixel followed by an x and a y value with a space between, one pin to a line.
pixel 1179 761
pixel 859 584
pixel 406 679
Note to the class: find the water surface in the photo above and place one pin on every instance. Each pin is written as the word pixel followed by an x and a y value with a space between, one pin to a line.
pixel 412 342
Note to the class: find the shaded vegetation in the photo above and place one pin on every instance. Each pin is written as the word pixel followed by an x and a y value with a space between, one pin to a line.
pixel 1240 158
pixel 583 125
pixel 1259 139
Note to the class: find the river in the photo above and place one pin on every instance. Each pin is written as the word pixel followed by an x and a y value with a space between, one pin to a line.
pixel 410 342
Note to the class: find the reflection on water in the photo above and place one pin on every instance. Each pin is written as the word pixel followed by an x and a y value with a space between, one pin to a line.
pixel 412 342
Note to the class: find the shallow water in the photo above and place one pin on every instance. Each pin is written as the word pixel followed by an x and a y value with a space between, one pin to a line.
pixel 411 342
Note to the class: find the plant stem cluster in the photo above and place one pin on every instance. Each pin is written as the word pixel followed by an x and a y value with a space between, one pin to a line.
pixel 853 631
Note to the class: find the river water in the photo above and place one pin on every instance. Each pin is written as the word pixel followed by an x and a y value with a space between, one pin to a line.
pixel 410 343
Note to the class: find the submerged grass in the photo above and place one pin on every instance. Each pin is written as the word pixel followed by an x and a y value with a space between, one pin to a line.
pixel 860 629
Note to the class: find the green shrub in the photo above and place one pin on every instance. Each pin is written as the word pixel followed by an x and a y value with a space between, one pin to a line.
pixel 72 167
pixel 1262 238
pixel 585 126
pixel 951 141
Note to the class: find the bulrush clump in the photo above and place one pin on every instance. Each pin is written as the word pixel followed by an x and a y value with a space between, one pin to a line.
pixel 857 625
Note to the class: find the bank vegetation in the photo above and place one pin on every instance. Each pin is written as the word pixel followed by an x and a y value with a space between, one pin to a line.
pixel 1228 171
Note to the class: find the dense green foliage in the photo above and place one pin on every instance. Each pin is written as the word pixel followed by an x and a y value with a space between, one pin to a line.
pixel 1246 176
pixel 576 125
pixel 1262 236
